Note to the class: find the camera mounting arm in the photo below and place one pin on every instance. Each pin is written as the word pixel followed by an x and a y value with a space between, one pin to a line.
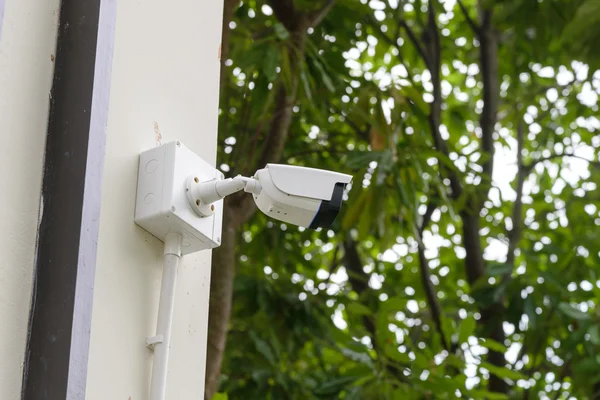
pixel 202 195
pixel 302 196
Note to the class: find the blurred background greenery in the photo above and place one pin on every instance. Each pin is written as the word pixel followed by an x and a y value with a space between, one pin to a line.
pixel 465 261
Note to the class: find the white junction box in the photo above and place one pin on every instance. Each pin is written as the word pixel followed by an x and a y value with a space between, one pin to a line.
pixel 162 204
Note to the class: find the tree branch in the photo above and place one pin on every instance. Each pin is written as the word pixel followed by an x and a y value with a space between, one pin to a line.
pixel 474 263
pixel 279 126
pixel 427 217
pixel 434 305
pixel 334 263
pixel 228 9
pixel 317 17
pixel 489 73
pixel 433 61
pixel 515 234
pixel 399 56
pixel 470 21
pixel 432 56
pixel 224 76
pixel 286 13
pixel 362 133
pixel 415 41
pixel 530 166
pixel 434 50
pixel 221 289
pixel 358 278
pixel 475 266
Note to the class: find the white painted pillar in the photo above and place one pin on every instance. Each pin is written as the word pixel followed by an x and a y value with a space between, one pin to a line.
pixel 165 79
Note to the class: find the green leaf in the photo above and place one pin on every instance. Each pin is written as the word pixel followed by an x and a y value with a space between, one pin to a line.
pixel 357 209
pixel 270 63
pixel 305 84
pixel 492 345
pixel 394 304
pixel 254 57
pixel 551 279
pixel 572 312
pixel 353 394
pixel 585 20
pixel 325 78
pixel 421 361
pixel 392 353
pixel 498 269
pixel 587 366
pixel 482 394
pixel 502 372
pixel 529 309
pixel 467 328
pixel 356 356
pixel 357 308
pixel 281 32
pixel 286 69
pixel 365 220
pixel 442 158
pixel 361 159
pixel 220 396
pixel 416 96
pixel 262 347
pixel 595 334
pixel 334 386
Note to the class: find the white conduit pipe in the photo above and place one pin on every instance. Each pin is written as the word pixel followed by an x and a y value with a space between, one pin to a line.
pixel 161 343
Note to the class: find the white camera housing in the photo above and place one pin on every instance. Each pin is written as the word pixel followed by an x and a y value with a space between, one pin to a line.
pixel 302 196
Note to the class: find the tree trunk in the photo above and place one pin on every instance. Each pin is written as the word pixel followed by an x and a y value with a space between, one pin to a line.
pixel 491 318
pixel 228 9
pixel 239 208
pixel 221 287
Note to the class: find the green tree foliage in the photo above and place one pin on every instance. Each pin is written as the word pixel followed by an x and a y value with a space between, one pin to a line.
pixel 465 260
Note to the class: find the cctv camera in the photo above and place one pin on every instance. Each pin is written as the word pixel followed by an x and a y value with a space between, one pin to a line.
pixel 302 196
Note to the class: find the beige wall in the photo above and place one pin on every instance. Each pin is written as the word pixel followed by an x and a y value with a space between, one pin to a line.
pixel 27 42
pixel 165 72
